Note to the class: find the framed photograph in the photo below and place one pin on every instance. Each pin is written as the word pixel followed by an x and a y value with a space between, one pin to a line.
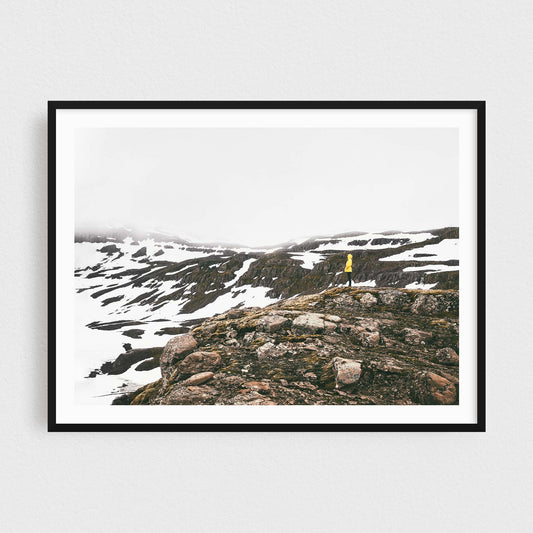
pixel 266 266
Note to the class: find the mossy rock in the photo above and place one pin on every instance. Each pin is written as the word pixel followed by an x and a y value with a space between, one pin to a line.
pixel 147 393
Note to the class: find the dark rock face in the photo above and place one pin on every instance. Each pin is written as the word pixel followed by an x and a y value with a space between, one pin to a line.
pixel 394 242
pixel 125 360
pixel 113 299
pixel 133 333
pixel 109 249
pixel 140 252
pixel 172 331
pixel 341 346
pixel 148 365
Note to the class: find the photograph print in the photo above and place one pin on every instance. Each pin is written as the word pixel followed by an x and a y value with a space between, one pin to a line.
pixel 273 266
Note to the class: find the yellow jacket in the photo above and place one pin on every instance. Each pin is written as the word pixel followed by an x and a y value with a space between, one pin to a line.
pixel 348 264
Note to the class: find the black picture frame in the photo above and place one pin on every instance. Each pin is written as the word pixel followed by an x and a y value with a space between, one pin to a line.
pixel 478 106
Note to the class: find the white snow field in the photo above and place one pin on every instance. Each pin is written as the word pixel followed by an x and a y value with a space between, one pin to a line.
pixel 344 243
pixel 308 259
pixel 445 250
pixel 432 268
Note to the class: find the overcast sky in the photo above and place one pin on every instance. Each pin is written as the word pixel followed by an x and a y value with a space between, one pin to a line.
pixel 264 186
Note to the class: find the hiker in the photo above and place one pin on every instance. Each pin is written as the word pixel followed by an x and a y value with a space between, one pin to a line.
pixel 348 269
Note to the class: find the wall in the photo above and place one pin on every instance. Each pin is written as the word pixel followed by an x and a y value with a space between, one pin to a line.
pixel 264 50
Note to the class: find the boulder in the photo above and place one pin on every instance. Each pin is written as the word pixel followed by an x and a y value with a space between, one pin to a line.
pixel 198 379
pixel 198 362
pixel 368 300
pixel 344 301
pixel 430 304
pixel 415 336
pixel 370 324
pixel 425 304
pixel 434 389
pixel 369 338
pixel 346 371
pixel 309 322
pixel 271 323
pixel 329 326
pixel 269 349
pixel 389 366
pixel 210 328
pixel 191 395
pixel 175 350
pixel 392 297
pixel 441 390
pixel 248 338
pixel 447 356
pixel 247 397
pixel 258 386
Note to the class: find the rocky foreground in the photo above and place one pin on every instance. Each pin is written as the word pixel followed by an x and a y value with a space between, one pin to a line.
pixel 341 346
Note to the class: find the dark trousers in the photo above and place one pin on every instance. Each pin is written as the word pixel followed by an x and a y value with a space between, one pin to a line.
pixel 349 278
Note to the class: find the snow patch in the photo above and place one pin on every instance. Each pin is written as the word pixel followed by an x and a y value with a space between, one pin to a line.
pixel 432 268
pixel 445 250
pixel 369 283
pixel 309 259
pixel 343 243
pixel 239 273
pixel 421 286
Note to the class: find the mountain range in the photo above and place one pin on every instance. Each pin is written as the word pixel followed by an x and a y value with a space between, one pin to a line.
pixel 141 278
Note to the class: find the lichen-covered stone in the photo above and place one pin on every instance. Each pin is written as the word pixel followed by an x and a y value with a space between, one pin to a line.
pixel 435 389
pixel 368 300
pixel 199 379
pixel 311 322
pixel 416 336
pixel 198 362
pixel 392 297
pixel 347 371
pixel 271 323
pixel 447 356
pixel 269 349
pixel 175 350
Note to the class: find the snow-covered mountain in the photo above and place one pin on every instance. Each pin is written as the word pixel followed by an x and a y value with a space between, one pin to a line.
pixel 141 289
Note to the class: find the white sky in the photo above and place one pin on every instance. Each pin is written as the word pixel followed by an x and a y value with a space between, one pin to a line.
pixel 264 186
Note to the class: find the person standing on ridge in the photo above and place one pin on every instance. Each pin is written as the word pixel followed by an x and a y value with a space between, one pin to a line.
pixel 348 269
